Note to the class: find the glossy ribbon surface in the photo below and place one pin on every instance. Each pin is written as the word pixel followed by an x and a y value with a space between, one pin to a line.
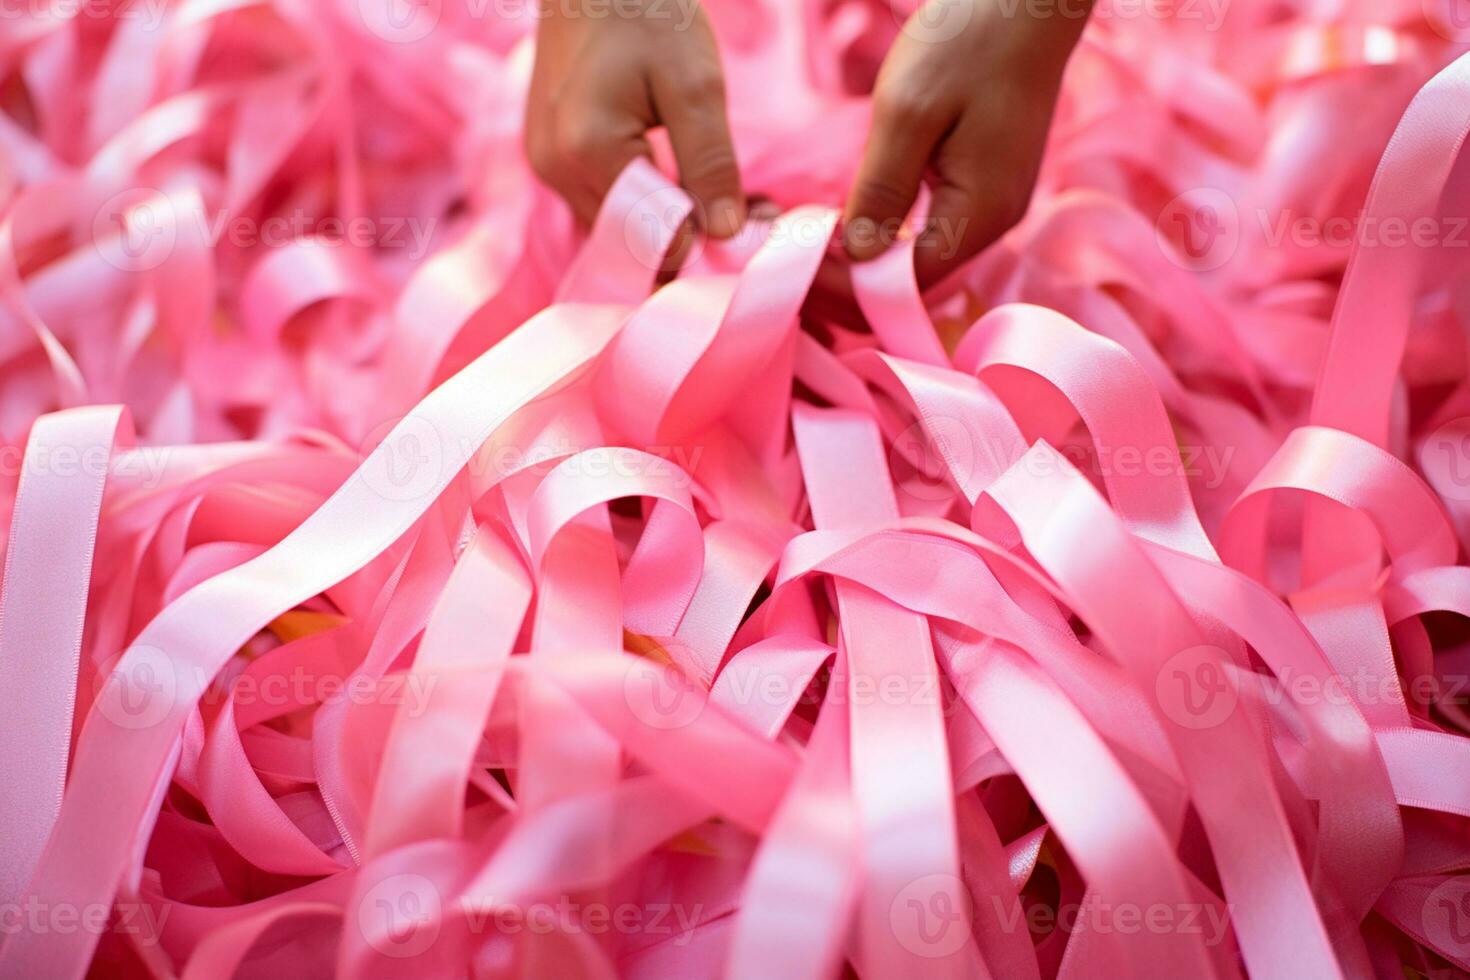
pixel 400 581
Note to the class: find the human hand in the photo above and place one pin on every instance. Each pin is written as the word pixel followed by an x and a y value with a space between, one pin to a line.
pixel 963 102
pixel 607 73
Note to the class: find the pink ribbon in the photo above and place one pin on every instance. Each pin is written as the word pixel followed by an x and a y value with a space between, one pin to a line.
pixel 475 602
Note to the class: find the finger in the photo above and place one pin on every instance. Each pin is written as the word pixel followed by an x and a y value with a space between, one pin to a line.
pixel 691 104
pixel 979 193
pixel 904 133
pixel 831 299
pixel 549 167
pixel 548 164
pixel 592 148
pixel 956 230
pixel 579 195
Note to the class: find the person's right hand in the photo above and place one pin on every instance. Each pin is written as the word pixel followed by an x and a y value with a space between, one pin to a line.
pixel 607 73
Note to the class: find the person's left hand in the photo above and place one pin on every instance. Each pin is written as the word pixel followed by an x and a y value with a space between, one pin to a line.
pixel 606 75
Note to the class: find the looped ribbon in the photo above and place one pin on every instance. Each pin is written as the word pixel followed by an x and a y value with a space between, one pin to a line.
pixel 612 612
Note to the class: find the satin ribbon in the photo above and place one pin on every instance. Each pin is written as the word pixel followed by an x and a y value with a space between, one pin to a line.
pixel 539 593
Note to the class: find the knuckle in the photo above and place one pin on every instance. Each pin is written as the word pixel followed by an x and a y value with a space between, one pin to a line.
pixel 983 220
pixel 580 136
pixel 903 104
pixel 703 83
pixel 883 195
pixel 541 155
pixel 711 165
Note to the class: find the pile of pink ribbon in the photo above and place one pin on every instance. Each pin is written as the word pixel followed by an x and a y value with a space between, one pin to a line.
pixel 401 582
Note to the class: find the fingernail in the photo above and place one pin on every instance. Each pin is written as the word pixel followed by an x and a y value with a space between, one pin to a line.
pixel 764 210
pixel 725 218
pixel 860 238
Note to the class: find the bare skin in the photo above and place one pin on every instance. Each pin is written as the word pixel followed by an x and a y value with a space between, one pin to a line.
pixel 962 103
pixel 603 79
